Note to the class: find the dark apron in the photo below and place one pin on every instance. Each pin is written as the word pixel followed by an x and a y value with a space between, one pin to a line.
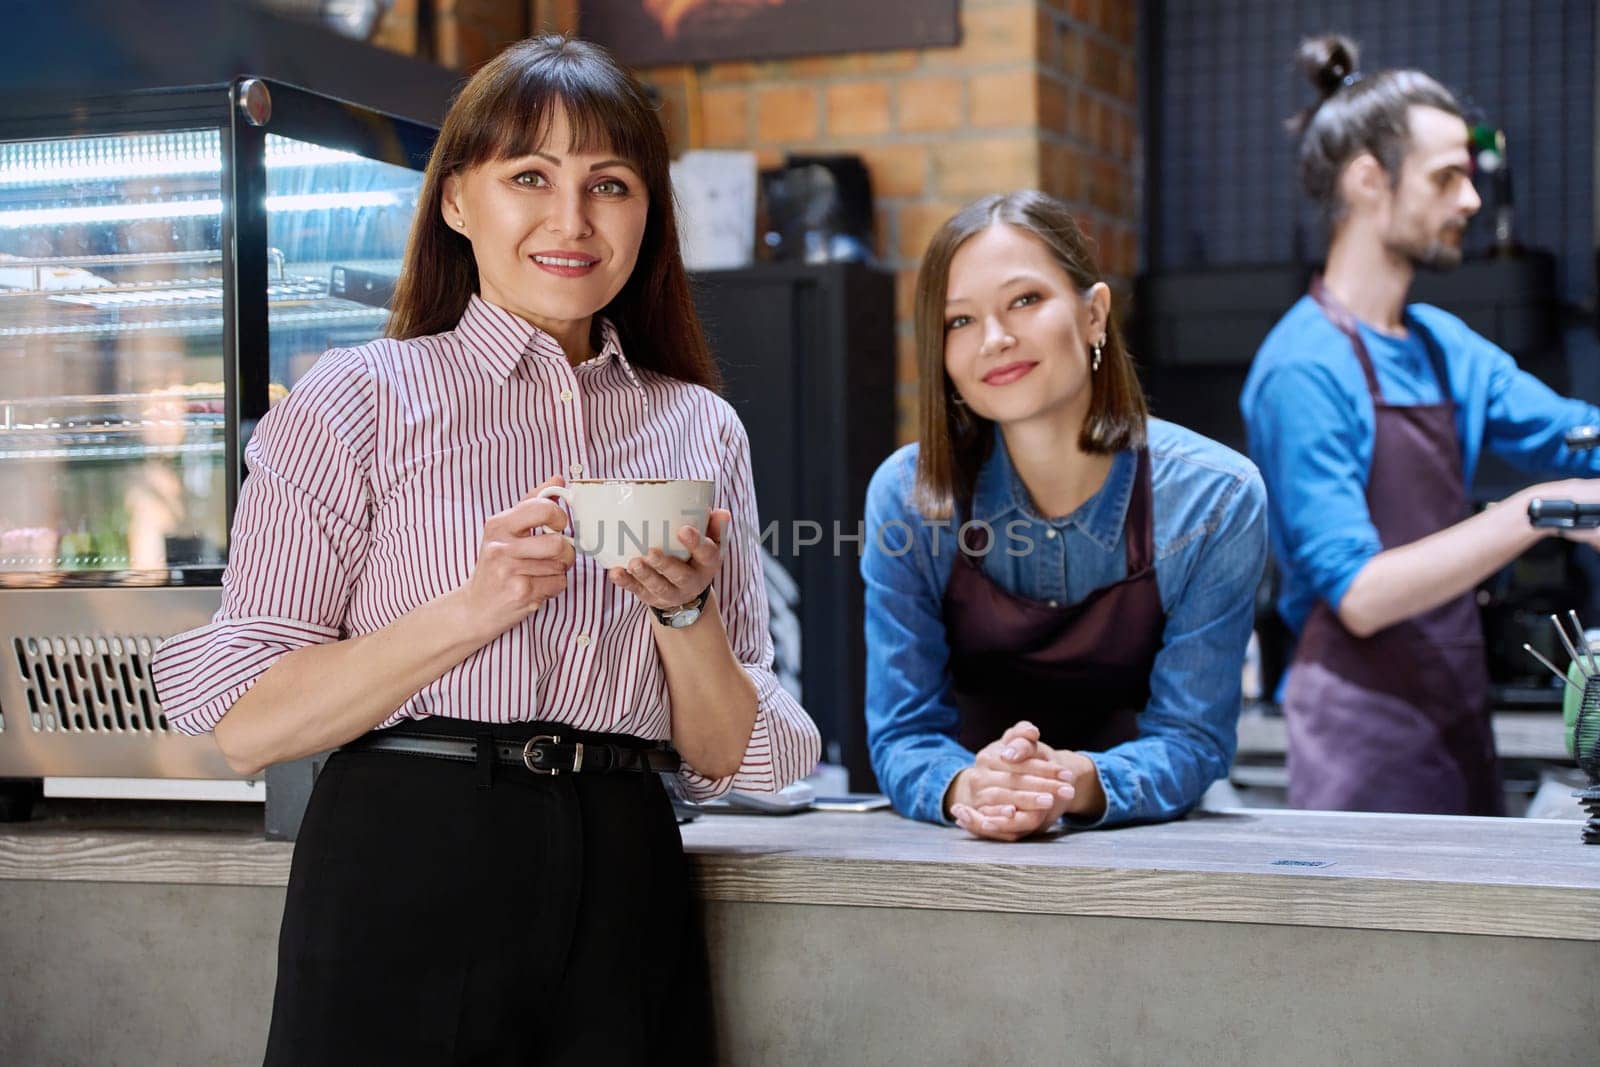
pixel 1079 673
pixel 1398 721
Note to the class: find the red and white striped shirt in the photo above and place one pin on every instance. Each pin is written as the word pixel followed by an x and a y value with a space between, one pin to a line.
pixel 368 490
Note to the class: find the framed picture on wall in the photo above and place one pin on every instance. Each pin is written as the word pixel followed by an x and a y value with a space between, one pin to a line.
pixel 647 33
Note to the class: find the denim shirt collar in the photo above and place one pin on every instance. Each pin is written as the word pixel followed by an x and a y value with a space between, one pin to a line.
pixel 1000 496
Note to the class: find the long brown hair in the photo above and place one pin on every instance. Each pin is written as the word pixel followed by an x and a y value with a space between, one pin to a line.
pixel 504 112
pixel 1356 113
pixel 955 442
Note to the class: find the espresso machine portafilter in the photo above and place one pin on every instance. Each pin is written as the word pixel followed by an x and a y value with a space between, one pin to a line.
pixel 1569 514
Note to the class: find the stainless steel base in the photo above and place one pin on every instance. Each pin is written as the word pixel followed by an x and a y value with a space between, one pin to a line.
pixel 75 691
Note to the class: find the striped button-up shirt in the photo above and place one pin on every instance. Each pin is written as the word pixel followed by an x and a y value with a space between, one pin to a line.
pixel 369 487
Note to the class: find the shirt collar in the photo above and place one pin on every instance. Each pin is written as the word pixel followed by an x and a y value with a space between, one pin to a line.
pixel 1000 492
pixel 500 340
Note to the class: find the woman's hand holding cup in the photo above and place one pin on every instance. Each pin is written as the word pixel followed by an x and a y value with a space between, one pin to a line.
pixel 666 582
pixel 521 563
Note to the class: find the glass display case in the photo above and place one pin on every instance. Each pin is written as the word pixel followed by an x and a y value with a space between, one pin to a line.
pixel 170 263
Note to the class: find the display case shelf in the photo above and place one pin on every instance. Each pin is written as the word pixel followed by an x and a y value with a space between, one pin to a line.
pixel 332 313
pixel 169 267
pixel 105 450
pixel 132 424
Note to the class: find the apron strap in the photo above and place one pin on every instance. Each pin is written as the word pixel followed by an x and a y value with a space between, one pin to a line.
pixel 1139 527
pixel 1441 372
pixel 1345 322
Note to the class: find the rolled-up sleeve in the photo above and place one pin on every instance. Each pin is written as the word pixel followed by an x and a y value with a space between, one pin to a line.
pixel 784 742
pixel 298 541
pixel 1314 449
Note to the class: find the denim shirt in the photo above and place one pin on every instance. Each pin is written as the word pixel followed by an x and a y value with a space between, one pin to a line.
pixel 1210 532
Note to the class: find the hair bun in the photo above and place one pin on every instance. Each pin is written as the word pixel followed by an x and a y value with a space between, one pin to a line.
pixel 1327 61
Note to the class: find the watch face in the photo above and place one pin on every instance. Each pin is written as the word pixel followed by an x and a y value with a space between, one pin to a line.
pixel 686 617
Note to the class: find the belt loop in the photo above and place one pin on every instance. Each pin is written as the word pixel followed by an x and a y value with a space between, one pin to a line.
pixel 486 756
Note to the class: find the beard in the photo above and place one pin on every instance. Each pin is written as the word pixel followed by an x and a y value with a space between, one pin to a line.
pixel 1438 257
pixel 1438 254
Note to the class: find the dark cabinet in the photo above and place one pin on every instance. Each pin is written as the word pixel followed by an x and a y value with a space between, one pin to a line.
pixel 808 356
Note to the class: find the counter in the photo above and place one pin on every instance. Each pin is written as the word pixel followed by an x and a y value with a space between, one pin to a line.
pixel 1239 936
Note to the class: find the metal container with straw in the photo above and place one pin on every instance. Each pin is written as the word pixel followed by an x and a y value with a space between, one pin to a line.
pixel 1581 713
pixel 1581 706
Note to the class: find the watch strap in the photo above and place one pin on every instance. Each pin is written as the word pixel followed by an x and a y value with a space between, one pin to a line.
pixel 665 615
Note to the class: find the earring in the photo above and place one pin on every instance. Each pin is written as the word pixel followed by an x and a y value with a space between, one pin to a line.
pixel 955 398
pixel 1094 360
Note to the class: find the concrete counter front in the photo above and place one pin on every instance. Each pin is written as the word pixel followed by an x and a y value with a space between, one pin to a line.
pixel 1246 936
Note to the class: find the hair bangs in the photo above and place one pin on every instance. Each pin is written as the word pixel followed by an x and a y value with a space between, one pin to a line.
pixel 601 118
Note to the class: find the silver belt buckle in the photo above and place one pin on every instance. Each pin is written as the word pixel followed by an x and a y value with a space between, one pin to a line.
pixel 527 754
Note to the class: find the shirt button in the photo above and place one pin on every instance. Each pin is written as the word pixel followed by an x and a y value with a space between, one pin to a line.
pixel 1055 603
pixel 566 396
pixel 576 468
pixel 583 640
pixel 1050 534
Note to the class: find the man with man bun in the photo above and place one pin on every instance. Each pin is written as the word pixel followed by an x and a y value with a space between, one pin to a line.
pixel 1366 416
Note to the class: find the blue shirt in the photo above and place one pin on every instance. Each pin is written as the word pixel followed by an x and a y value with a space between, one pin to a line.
pixel 1210 546
pixel 1310 422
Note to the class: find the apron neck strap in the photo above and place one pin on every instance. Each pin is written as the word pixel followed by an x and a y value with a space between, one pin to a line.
pixel 1345 322
pixel 1138 530
pixel 1138 525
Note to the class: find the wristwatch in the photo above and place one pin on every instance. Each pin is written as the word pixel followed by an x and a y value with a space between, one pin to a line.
pixel 684 614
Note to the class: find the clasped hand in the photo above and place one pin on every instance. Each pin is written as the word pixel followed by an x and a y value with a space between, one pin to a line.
pixel 1019 785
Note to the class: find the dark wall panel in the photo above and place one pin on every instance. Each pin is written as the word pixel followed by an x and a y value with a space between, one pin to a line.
pixel 1225 190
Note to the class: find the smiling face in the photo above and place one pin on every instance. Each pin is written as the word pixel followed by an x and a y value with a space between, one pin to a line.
pixel 1018 332
pixel 555 234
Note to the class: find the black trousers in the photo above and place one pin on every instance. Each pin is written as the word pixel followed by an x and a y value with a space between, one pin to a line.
pixel 438 916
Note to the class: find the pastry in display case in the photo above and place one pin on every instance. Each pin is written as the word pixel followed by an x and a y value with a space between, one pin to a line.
pixel 171 262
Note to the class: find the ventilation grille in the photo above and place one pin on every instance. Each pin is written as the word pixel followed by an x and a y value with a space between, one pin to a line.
pixel 89 684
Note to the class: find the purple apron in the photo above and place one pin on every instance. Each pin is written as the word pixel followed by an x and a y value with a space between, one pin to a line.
pixel 1080 673
pixel 1398 721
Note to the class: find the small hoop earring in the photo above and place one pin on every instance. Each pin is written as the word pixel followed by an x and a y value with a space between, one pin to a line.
pixel 1094 360
pixel 960 414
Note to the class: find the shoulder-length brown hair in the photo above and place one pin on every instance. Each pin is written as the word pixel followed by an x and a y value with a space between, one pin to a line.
pixel 955 442
pixel 504 112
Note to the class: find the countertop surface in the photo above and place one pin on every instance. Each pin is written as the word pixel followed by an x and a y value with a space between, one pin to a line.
pixel 1498 877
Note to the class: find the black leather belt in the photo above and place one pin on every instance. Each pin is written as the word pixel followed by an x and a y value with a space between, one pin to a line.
pixel 541 754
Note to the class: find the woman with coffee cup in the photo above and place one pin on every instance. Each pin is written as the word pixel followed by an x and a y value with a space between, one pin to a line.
pixel 1060 589
pixel 488 869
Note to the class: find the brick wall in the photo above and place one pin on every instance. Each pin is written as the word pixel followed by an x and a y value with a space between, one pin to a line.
pixel 1039 93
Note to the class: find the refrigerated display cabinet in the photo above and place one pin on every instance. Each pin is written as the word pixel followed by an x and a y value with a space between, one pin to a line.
pixel 171 262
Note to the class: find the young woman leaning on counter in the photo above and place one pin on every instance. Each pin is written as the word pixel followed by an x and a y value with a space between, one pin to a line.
pixel 1074 651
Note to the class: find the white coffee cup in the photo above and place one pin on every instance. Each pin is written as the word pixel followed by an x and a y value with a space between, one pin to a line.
pixel 617 519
